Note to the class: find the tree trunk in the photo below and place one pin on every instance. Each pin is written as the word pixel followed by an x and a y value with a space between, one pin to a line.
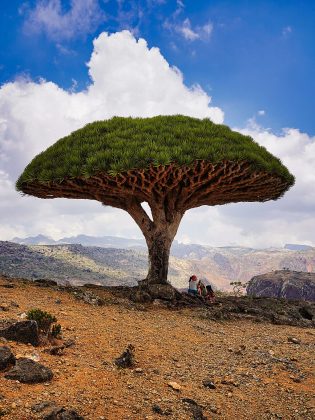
pixel 159 234
pixel 159 251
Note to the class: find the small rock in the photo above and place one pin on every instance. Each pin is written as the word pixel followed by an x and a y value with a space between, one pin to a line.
pixel 58 301
pixel 126 360
pixel 6 357
pixel 39 407
pixel 69 343
pixel 28 371
pixel 229 381
pixel 56 350
pixel 207 383
pixel 139 370
pixel 294 340
pixel 195 408
pixel 4 307
pixel 61 413
pixel 175 386
pixel 157 409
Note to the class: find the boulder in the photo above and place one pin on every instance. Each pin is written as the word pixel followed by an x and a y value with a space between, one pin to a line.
pixel 6 357
pixel 285 284
pixel 22 331
pixel 28 371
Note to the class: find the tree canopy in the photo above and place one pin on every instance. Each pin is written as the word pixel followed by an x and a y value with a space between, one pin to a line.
pixel 120 144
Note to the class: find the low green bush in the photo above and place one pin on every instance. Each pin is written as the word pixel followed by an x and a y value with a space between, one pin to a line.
pixel 45 322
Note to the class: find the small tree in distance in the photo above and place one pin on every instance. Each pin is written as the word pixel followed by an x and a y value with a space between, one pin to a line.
pixel 173 163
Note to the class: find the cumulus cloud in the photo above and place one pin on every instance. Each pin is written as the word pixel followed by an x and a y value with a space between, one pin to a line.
pixel 127 79
pixel 48 17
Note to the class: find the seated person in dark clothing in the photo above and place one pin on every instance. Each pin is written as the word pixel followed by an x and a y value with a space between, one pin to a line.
pixel 210 294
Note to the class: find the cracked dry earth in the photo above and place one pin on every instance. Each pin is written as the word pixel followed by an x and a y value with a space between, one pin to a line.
pixel 257 372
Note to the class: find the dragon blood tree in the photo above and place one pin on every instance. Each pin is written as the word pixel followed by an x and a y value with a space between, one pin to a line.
pixel 173 163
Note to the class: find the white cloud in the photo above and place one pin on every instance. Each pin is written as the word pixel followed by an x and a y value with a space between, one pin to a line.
pixel 261 112
pixel 83 17
pixel 127 79
pixel 186 30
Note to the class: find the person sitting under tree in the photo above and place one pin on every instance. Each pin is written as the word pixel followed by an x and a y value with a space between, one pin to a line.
pixel 202 291
pixel 192 289
pixel 210 297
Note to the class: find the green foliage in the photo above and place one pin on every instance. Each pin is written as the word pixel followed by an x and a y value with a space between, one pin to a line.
pixel 44 319
pixel 56 330
pixel 120 144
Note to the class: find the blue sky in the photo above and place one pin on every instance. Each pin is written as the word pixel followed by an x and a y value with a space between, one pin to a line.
pixel 249 64
pixel 256 55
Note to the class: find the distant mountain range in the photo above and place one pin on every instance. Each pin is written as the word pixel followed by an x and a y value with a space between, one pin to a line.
pixel 85 240
pixel 115 261
pixel 119 242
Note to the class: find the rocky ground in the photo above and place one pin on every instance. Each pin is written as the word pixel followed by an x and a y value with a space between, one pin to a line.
pixel 191 362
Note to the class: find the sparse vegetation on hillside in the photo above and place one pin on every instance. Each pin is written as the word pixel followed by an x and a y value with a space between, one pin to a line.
pixel 46 322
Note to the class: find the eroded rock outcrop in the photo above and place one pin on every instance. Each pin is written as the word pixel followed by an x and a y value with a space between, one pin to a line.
pixel 22 331
pixel 283 284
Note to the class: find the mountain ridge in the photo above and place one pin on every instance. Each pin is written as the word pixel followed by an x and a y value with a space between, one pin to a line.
pixel 79 264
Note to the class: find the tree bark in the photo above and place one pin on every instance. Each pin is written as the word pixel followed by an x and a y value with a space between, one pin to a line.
pixel 159 246
pixel 159 234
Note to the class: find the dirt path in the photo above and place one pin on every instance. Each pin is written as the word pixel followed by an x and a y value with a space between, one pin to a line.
pixel 257 372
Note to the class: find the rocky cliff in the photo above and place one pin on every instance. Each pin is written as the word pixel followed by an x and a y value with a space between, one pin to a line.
pixel 283 284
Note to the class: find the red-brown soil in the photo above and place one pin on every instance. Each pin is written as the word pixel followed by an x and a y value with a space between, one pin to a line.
pixel 258 373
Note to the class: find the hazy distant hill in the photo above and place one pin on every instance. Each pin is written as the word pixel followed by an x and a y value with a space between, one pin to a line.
pixel 297 247
pixel 124 261
pixel 85 240
pixel 78 264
